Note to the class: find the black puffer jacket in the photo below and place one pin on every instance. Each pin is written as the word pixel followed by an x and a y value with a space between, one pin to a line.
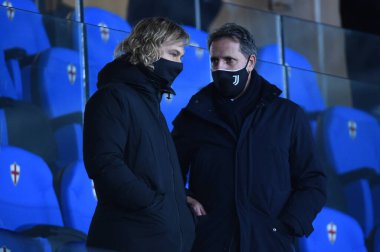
pixel 129 153
pixel 269 173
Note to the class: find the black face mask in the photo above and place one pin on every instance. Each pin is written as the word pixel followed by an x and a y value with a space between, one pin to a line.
pixel 167 70
pixel 230 83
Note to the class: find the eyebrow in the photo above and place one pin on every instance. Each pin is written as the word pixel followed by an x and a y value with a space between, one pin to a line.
pixel 224 57
pixel 177 51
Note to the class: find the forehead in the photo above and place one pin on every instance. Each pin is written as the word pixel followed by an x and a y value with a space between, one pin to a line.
pixel 225 46
pixel 174 45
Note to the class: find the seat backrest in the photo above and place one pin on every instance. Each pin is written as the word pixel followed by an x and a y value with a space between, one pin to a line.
pixel 14 241
pixel 69 144
pixel 3 128
pixel 349 139
pixel 57 86
pixel 376 240
pixel 8 86
pixel 334 231
pixel 27 195
pixel 78 197
pixel 302 82
pixel 26 126
pixel 21 40
pixel 195 75
pixel 31 37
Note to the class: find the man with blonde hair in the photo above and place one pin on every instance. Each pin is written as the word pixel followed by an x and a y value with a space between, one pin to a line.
pixel 128 150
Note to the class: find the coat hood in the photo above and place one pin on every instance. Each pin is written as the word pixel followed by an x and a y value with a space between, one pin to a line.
pixel 137 76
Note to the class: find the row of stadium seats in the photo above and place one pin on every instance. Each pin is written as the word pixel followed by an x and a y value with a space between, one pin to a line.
pixel 30 206
pixel 32 218
pixel 349 145
pixel 348 139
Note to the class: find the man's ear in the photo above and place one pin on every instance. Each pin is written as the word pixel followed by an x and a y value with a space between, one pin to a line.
pixel 251 63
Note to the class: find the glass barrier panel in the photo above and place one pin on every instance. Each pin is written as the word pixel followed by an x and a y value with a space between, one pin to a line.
pixel 274 74
pixel 100 46
pixel 41 88
pixel 265 26
pixel 332 50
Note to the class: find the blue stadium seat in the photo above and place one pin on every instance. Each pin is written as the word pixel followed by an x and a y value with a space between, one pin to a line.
pixel 70 144
pixel 49 77
pixel 195 75
pixel 334 231
pixel 105 30
pixel 21 41
pixel 303 85
pixel 302 82
pixel 376 245
pixel 27 196
pixel 13 241
pixel 26 126
pixel 349 141
pixel 198 38
pixel 57 84
pixel 77 197
pixel 31 37
pixel 10 82
pixel 57 88
pixel 3 128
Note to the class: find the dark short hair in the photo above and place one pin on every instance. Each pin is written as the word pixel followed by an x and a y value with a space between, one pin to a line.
pixel 237 33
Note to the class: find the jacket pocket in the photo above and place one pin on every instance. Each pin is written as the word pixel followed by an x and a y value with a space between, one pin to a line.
pixel 278 200
pixel 156 205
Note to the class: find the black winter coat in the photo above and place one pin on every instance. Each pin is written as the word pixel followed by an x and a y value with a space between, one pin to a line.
pixel 279 185
pixel 130 155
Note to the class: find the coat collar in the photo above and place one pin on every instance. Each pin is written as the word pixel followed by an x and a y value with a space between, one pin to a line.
pixel 139 77
pixel 201 104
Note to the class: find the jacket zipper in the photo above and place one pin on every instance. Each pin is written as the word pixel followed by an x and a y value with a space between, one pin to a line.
pixel 175 198
pixel 254 120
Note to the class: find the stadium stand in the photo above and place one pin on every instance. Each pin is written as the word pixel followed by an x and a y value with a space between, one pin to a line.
pixel 26 126
pixel 298 73
pixel 334 231
pixel 58 91
pixel 27 197
pixel 349 139
pixel 14 241
pixel 21 43
pixel 77 191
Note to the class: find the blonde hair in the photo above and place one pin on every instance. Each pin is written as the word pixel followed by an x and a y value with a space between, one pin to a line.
pixel 142 45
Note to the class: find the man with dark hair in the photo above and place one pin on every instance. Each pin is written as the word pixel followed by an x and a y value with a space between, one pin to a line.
pixel 255 182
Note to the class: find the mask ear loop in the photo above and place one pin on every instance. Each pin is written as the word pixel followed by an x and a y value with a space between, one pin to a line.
pixel 249 57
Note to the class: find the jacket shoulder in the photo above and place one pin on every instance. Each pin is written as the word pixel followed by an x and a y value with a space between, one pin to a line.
pixel 109 96
pixel 288 104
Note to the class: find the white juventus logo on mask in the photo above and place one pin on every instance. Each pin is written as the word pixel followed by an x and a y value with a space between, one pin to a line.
pixel 236 79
